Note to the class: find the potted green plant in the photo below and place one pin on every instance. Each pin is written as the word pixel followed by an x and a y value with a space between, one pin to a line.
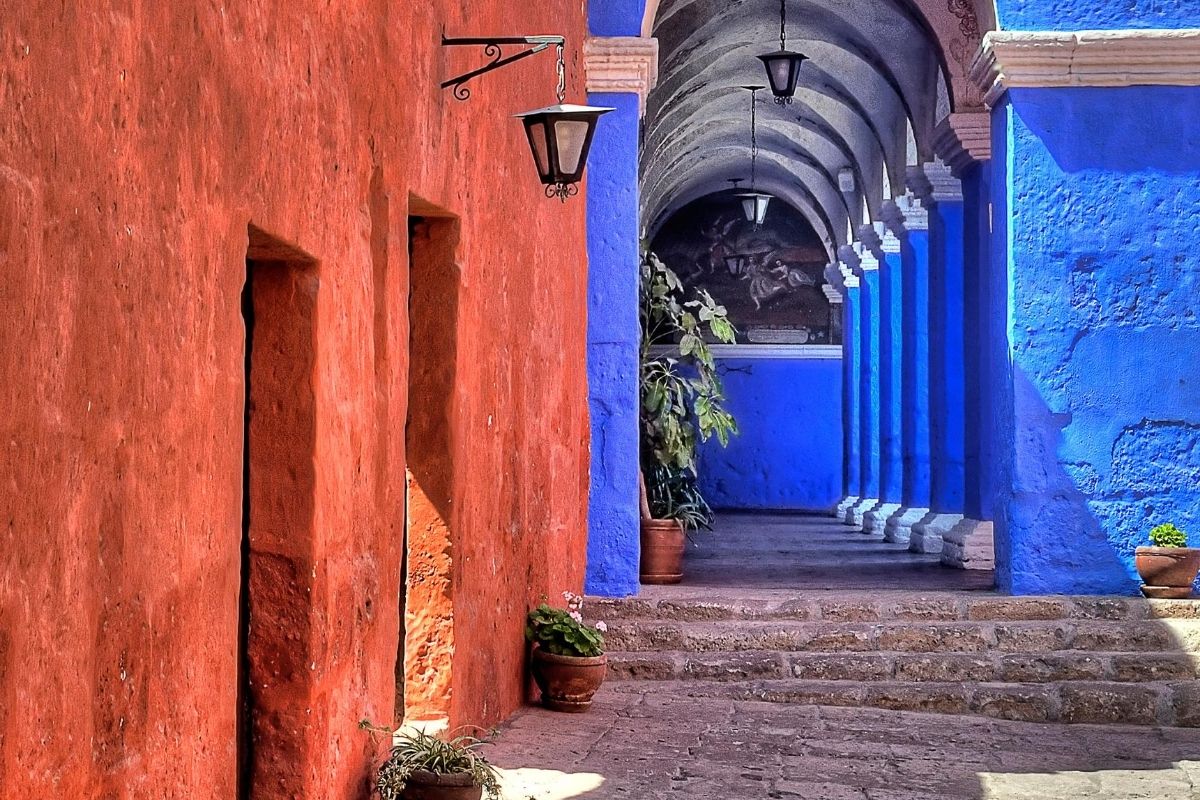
pixel 682 403
pixel 568 661
pixel 1168 567
pixel 425 767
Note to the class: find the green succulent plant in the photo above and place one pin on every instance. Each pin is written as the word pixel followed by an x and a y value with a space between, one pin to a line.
pixel 1167 535
pixel 415 751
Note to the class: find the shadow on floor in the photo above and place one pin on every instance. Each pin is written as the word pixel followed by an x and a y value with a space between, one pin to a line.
pixel 812 552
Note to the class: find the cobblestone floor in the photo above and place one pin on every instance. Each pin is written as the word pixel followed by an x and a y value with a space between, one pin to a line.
pixel 809 552
pixel 640 744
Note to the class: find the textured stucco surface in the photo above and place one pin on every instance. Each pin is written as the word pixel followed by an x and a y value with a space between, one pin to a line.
pixel 138 142
pixel 891 388
pixel 915 373
pixel 868 403
pixel 788 454
pixel 851 394
pixel 613 339
pixel 1070 15
pixel 946 359
pixel 1101 190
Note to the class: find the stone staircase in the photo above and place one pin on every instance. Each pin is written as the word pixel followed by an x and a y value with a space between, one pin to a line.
pixel 1036 659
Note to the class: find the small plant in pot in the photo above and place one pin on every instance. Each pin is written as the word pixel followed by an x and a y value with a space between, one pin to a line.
pixel 568 661
pixel 682 404
pixel 1168 567
pixel 425 767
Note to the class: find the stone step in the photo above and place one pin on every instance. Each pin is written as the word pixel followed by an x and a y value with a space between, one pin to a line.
pixel 888 606
pixel 1169 704
pixel 985 667
pixel 1131 636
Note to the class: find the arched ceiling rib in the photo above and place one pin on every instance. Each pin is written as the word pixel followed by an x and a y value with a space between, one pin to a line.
pixel 871 86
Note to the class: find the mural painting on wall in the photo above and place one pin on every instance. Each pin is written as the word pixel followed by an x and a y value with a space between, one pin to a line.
pixel 770 279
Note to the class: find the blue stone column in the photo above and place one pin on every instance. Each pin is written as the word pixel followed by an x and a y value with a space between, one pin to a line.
pixel 844 281
pixel 865 268
pixel 969 544
pixel 613 238
pixel 909 221
pixel 941 194
pixel 891 340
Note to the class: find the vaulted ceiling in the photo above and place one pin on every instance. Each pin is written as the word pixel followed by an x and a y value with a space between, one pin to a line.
pixel 874 87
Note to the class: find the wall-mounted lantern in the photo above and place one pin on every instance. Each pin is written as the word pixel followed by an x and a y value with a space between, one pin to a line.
pixel 783 66
pixel 754 203
pixel 560 136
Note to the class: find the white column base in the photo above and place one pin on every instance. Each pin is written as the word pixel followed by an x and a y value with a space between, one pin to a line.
pixel 844 506
pixel 854 514
pixel 875 520
pixel 927 535
pixel 899 525
pixel 969 545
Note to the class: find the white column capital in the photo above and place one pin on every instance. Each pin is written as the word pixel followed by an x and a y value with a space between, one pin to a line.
pixel 1039 59
pixel 934 183
pixel 621 64
pixel 849 279
pixel 962 139
pixel 905 214
pixel 864 260
pixel 832 295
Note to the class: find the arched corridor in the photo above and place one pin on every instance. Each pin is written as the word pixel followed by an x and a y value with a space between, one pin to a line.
pixel 940 180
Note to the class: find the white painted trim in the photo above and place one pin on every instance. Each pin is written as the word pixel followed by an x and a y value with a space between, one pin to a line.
pixel 962 139
pixel 621 64
pixel 807 352
pixel 1038 59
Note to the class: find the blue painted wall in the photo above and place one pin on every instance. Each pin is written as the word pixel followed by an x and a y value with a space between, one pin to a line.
pixel 616 17
pixel 1095 365
pixel 613 335
pixel 1070 15
pixel 788 455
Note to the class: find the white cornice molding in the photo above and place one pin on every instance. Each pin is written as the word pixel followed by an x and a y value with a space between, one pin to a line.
pixel 934 183
pixel 819 352
pixel 621 64
pixel 1038 59
pixel 962 139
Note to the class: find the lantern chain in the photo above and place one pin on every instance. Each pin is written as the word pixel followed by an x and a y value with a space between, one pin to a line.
pixel 783 24
pixel 562 75
pixel 753 139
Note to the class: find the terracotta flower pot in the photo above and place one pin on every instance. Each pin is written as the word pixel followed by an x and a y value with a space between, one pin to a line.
pixel 567 682
pixel 423 785
pixel 662 551
pixel 1167 571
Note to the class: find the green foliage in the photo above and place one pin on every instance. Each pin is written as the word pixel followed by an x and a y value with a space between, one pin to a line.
pixel 674 494
pixel 1167 535
pixel 682 396
pixel 563 632
pixel 415 751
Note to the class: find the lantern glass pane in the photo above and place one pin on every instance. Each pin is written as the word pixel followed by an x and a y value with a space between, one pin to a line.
pixel 571 136
pixel 748 208
pixel 780 74
pixel 760 208
pixel 540 147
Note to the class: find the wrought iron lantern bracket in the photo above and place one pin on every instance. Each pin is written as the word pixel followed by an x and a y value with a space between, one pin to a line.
pixel 493 48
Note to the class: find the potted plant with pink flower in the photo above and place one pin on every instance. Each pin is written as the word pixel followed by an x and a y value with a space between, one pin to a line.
pixel 568 661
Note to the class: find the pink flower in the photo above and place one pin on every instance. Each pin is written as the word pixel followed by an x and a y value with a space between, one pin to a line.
pixel 600 626
pixel 575 615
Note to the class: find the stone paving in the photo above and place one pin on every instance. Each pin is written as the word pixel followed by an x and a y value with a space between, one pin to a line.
pixel 810 552
pixel 638 743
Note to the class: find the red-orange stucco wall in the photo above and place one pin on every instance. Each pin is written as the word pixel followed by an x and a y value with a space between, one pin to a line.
pixel 138 140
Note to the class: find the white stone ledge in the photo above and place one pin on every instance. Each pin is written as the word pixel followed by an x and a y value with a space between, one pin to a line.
pixel 621 64
pixel 1040 59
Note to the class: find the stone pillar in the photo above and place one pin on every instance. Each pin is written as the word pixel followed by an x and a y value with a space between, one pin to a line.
pixel 886 247
pixel 964 142
pixel 940 194
pixel 620 71
pixel 846 283
pixel 909 220
pixel 865 267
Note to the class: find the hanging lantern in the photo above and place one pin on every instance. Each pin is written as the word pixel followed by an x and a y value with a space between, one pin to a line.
pixel 560 137
pixel 783 66
pixel 754 203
